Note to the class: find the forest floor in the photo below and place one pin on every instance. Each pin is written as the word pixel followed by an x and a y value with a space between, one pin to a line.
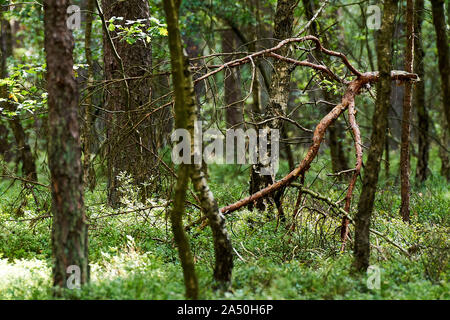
pixel 132 254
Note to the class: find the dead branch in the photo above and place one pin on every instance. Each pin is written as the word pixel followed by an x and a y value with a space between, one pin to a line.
pixel 359 155
pixel 352 90
pixel 266 52
pixel 319 133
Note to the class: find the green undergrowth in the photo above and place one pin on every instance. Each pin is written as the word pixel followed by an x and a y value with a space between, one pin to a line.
pixel 133 256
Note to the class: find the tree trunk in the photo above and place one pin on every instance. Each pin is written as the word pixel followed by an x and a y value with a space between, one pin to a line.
pixel 26 156
pixel 419 96
pixel 339 161
pixel 387 164
pixel 444 154
pixel 5 145
pixel 130 138
pixel 88 174
pixel 194 50
pixel 406 118
pixel 379 124
pixel 222 243
pixel 181 86
pixel 443 54
pixel 233 94
pixel 278 92
pixel 185 117
pixel 69 232
pixel 20 136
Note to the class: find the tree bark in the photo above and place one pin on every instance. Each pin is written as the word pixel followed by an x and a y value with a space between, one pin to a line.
pixel 419 96
pixel 222 243
pixel 443 54
pixel 379 124
pixel 233 94
pixel 5 145
pixel 185 117
pixel 387 164
pixel 444 154
pixel 406 119
pixel 278 92
pixel 69 232
pixel 88 174
pixel 181 86
pixel 128 136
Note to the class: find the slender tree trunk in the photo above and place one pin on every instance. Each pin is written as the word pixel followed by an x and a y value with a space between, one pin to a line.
pixel 419 96
pixel 69 233
pixel 20 136
pixel 443 54
pixel 387 164
pixel 130 141
pixel 407 104
pixel 233 94
pixel 194 50
pixel 181 86
pixel 5 145
pixel 379 124
pixel 444 154
pixel 88 174
pixel 222 243
pixel 185 117
pixel 339 161
pixel 257 33
pixel 278 92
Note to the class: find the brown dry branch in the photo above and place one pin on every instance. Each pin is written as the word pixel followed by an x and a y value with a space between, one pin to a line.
pixel 359 155
pixel 348 101
pixel 269 51
pixel 351 92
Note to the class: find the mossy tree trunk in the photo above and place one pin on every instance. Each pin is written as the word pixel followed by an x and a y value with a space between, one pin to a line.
pixel 69 232
pixel 378 136
pixel 182 93
pixel 185 117
pixel 278 93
